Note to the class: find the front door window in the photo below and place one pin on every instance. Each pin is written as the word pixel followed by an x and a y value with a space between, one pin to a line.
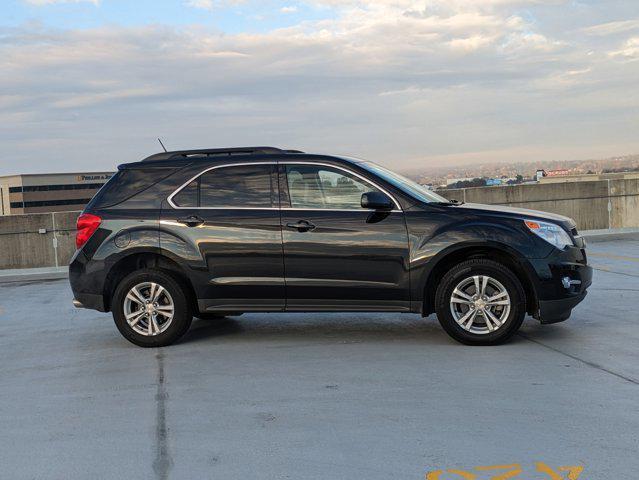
pixel 320 187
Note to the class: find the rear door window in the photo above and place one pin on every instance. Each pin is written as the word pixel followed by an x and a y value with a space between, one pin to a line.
pixel 188 197
pixel 241 186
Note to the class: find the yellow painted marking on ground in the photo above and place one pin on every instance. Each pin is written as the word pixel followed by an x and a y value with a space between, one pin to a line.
pixel 437 474
pixel 514 470
pixel 573 472
pixel 614 257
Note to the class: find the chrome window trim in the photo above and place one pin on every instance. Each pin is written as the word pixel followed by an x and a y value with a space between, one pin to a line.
pixel 397 208
pixel 366 210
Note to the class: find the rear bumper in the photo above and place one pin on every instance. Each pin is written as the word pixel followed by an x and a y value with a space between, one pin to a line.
pixel 88 300
pixel 87 282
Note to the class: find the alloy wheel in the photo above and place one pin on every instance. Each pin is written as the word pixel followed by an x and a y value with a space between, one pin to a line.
pixel 480 304
pixel 148 308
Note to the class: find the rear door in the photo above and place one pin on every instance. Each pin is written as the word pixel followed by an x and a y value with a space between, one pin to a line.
pixel 338 255
pixel 225 225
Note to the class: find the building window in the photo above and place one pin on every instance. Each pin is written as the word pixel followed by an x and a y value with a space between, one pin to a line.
pixel 48 188
pixel 50 203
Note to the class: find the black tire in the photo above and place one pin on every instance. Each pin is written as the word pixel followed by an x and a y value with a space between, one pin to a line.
pixel 182 314
pixel 499 272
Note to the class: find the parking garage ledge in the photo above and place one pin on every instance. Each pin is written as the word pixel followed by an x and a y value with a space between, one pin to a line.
pixel 54 273
pixel 33 274
pixel 610 235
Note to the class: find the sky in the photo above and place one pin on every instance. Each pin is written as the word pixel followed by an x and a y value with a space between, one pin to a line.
pixel 89 84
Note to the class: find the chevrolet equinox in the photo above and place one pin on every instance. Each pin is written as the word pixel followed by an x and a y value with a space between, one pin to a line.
pixel 209 233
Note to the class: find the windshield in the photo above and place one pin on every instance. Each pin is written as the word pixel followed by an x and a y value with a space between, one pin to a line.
pixel 407 185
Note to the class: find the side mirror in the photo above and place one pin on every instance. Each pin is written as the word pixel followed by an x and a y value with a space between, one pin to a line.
pixel 376 201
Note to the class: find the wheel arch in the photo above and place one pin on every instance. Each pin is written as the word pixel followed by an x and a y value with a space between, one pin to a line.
pixel 143 260
pixel 493 251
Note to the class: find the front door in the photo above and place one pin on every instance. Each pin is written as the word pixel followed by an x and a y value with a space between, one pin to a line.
pixel 338 255
pixel 225 225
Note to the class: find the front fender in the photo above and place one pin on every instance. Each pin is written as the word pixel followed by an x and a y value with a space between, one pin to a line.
pixel 433 240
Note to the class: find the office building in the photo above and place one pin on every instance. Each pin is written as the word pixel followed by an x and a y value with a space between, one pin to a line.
pixel 48 192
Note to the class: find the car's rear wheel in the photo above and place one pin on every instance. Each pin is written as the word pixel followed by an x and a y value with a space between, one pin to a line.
pixel 151 309
pixel 480 302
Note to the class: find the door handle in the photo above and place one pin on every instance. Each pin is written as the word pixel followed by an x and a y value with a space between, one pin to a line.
pixel 301 226
pixel 191 221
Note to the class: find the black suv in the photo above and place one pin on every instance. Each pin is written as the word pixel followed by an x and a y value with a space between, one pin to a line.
pixel 209 233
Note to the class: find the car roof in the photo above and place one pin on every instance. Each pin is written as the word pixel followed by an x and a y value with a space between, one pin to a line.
pixel 182 158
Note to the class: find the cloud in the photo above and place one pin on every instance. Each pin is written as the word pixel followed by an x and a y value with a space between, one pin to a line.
pixel 470 44
pixel 611 28
pixel 629 50
pixel 201 4
pixel 389 80
pixel 211 4
pixel 52 2
pixel 289 9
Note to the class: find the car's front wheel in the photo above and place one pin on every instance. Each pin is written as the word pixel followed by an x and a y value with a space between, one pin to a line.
pixel 151 309
pixel 480 302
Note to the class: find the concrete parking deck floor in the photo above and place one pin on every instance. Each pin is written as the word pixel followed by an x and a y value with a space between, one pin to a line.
pixel 320 396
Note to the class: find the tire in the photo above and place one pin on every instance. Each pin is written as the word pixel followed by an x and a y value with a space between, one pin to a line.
pixel 474 319
pixel 165 331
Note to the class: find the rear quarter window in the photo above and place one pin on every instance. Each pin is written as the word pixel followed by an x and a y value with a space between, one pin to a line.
pixel 126 184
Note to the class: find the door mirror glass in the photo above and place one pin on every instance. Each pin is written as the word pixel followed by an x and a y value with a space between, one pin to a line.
pixel 376 201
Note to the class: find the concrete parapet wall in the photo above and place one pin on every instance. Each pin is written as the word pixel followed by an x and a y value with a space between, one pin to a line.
pixel 589 177
pixel 48 239
pixel 594 205
pixel 37 240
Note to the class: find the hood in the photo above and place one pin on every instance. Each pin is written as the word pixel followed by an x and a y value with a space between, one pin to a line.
pixel 566 222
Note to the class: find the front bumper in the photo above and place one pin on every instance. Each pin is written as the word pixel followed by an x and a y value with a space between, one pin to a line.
pixel 563 279
pixel 555 311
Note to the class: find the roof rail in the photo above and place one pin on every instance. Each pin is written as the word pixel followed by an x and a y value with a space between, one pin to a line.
pixel 217 152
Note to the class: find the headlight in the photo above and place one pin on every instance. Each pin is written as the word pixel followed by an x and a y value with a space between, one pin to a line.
pixel 550 232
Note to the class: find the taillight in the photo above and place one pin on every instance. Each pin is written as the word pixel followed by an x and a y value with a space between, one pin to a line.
pixel 87 225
